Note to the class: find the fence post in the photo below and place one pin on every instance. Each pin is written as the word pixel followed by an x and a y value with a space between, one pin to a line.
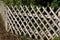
pixel 3 13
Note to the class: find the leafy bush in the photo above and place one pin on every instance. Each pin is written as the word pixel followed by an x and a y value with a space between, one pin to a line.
pixel 52 3
pixel 56 38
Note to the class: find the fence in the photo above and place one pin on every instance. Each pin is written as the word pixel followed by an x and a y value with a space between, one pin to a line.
pixel 34 22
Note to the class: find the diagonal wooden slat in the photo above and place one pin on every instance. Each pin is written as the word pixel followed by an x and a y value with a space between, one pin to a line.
pixel 26 15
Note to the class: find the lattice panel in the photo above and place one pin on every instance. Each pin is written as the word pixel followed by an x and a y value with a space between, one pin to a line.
pixel 34 22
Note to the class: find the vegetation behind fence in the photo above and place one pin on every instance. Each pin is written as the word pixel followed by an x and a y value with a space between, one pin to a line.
pixel 52 3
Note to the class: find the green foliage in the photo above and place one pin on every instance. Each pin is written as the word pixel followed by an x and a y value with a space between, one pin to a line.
pixel 55 3
pixel 52 3
pixel 56 38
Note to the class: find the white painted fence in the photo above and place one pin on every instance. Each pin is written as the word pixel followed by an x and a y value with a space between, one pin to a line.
pixel 35 22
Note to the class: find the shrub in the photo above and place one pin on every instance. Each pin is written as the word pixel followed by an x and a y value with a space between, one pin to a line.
pixel 56 38
pixel 52 3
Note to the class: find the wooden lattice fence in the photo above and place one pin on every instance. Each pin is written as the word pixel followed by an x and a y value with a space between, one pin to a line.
pixel 34 22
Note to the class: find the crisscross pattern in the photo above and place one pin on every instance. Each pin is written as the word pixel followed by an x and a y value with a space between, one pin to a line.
pixel 32 21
